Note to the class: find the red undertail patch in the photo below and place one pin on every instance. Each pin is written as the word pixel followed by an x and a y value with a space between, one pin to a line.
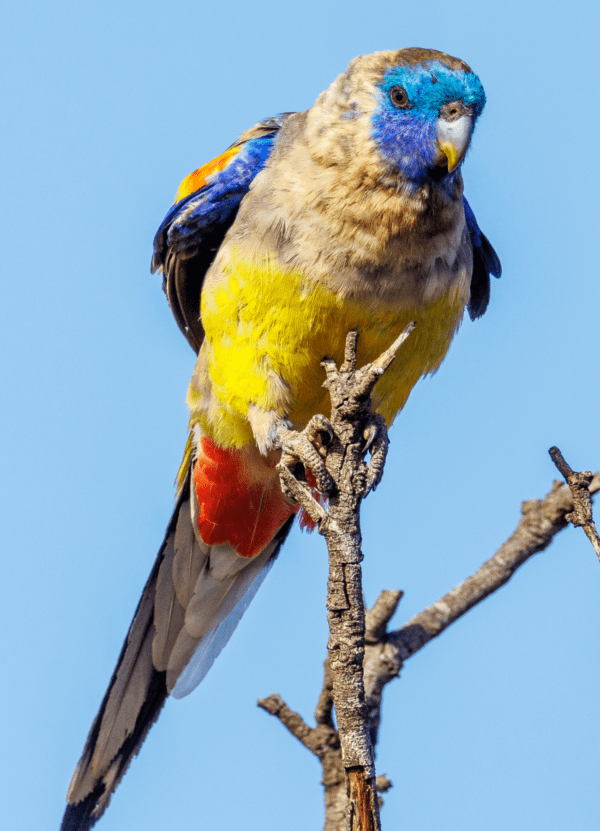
pixel 304 520
pixel 236 507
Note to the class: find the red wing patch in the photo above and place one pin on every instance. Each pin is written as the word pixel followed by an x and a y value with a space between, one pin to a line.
pixel 234 506
pixel 200 177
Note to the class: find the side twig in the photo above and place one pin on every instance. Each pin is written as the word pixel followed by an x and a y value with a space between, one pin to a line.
pixel 579 484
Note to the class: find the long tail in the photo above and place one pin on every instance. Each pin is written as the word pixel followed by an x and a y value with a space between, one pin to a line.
pixel 190 606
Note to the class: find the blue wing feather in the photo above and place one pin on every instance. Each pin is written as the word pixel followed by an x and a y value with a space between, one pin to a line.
pixel 193 229
pixel 485 263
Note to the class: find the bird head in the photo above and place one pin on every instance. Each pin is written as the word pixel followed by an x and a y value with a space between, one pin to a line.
pixel 404 117
pixel 427 106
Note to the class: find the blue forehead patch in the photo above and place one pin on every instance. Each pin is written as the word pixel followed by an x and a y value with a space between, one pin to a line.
pixel 431 84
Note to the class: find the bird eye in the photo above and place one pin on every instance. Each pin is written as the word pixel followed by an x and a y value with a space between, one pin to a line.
pixel 399 98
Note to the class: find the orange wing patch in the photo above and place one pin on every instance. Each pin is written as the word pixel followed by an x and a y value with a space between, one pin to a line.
pixel 235 507
pixel 200 177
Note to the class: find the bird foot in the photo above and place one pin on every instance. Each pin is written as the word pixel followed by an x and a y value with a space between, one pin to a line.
pixel 354 431
pixel 307 448
pixel 304 451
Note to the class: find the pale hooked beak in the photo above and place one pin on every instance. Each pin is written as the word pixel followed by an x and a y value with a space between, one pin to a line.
pixel 454 128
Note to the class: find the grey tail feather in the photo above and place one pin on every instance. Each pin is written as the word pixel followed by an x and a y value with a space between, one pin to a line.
pixel 83 815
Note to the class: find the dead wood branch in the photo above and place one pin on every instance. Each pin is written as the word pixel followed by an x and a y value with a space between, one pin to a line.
pixel 385 653
pixel 345 479
pixel 579 483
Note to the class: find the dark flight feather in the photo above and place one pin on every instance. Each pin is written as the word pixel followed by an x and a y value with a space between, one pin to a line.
pixel 193 230
pixel 485 263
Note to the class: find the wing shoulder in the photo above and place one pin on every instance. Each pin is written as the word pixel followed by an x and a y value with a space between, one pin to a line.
pixel 205 208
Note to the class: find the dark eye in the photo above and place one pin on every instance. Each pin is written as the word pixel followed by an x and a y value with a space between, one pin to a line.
pixel 399 98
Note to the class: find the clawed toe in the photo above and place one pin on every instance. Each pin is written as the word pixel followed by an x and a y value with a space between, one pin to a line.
pixel 377 442
pixel 307 448
pixel 319 433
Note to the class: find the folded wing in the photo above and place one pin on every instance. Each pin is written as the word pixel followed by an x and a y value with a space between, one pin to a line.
pixel 485 263
pixel 206 206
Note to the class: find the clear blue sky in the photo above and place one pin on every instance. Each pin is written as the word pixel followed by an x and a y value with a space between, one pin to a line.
pixel 107 106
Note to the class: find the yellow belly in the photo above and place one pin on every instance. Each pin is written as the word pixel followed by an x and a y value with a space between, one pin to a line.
pixel 268 330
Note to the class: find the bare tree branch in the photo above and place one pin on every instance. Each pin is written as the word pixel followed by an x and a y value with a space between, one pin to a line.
pixel 542 520
pixel 353 424
pixel 380 614
pixel 324 742
pixel 384 654
pixel 345 479
pixel 579 484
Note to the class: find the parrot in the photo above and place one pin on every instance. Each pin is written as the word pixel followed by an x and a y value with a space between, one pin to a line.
pixel 347 216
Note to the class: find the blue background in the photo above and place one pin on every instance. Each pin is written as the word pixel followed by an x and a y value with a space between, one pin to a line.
pixel 107 106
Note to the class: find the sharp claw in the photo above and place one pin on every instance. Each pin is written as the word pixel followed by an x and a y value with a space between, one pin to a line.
pixel 377 442
pixel 319 433
pixel 298 492
pixel 369 435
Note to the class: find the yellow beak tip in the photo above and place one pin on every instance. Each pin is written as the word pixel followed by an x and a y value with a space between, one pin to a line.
pixel 450 153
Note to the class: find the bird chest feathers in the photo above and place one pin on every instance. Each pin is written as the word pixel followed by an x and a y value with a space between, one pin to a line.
pixel 268 328
pixel 314 252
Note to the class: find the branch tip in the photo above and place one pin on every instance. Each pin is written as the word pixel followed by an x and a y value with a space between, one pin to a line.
pixel 386 358
pixel 579 485
pixel 350 349
pixel 380 614
pixel 560 462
